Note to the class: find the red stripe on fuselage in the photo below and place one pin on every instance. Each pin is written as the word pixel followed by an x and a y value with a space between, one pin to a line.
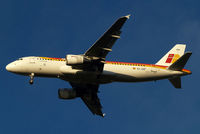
pixel 141 64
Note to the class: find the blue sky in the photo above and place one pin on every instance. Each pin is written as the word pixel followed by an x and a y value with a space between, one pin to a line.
pixel 57 27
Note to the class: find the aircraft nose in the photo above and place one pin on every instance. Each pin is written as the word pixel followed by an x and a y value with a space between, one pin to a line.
pixel 9 67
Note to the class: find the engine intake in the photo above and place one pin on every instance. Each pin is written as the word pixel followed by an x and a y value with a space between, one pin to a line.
pixel 66 93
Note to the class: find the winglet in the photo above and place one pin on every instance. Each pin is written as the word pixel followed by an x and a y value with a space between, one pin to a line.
pixel 127 16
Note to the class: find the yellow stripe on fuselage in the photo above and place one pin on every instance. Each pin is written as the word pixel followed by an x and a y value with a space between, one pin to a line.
pixel 53 59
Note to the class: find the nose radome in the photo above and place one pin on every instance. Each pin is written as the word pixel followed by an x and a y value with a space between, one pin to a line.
pixel 9 67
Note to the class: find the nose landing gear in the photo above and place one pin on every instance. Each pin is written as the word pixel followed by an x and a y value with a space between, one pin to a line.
pixel 31 78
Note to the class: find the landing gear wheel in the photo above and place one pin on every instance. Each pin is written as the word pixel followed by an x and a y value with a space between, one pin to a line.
pixel 31 82
pixel 31 78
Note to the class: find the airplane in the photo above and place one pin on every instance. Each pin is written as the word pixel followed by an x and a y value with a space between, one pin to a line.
pixel 85 72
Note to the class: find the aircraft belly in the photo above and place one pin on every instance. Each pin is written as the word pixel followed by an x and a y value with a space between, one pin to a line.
pixel 74 75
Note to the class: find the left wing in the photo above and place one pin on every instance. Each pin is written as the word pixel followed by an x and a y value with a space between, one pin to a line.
pixel 88 93
pixel 104 44
pixel 95 56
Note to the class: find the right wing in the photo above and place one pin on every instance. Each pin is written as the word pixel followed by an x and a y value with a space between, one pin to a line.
pixel 88 93
pixel 93 103
pixel 104 44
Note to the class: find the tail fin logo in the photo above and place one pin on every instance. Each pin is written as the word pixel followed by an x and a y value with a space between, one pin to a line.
pixel 172 58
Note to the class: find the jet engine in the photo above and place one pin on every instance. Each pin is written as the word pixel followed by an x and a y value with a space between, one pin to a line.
pixel 76 59
pixel 66 93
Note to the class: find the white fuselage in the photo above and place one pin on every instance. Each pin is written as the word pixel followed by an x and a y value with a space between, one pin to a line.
pixel 112 72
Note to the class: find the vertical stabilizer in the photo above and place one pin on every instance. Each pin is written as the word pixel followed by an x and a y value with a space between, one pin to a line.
pixel 173 55
pixel 180 63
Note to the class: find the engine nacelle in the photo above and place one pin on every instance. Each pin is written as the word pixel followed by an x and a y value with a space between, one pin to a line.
pixel 66 93
pixel 77 59
pixel 74 59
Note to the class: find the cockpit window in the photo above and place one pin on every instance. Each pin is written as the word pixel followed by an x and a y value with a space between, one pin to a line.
pixel 20 59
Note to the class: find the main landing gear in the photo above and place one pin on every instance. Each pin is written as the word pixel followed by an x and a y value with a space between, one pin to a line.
pixel 31 78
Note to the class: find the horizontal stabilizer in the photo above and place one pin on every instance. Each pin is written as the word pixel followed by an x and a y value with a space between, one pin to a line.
pixel 176 82
pixel 180 63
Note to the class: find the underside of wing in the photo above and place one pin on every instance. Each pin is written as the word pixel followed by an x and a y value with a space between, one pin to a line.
pixel 104 44
pixel 93 103
pixel 88 93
